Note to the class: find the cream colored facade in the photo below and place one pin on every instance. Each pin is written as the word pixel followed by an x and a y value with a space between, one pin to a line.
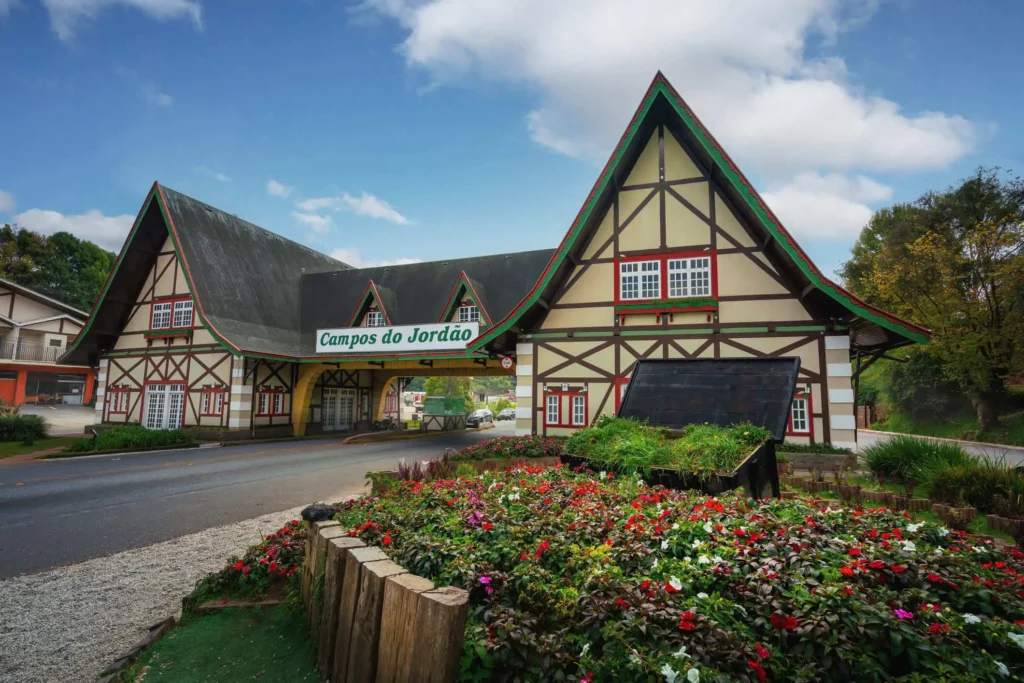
pixel 580 356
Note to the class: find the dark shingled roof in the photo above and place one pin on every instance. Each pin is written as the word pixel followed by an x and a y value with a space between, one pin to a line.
pixel 417 292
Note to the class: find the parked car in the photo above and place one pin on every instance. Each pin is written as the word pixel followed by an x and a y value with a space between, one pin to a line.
pixel 478 417
pixel 507 414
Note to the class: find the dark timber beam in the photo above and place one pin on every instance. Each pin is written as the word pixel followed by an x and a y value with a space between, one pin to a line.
pixel 806 290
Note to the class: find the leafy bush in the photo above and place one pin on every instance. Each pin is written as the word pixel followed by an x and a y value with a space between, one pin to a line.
pixel 988 487
pixel 914 460
pixel 918 387
pixel 573 577
pixel 812 448
pixel 629 446
pixel 278 556
pixel 25 428
pixel 510 447
pixel 132 437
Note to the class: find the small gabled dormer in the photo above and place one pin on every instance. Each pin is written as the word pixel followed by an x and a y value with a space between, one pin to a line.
pixel 465 303
pixel 372 309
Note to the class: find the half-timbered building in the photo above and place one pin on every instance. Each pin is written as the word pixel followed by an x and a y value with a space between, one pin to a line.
pixel 210 321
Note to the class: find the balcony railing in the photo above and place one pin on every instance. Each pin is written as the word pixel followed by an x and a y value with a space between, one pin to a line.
pixel 26 351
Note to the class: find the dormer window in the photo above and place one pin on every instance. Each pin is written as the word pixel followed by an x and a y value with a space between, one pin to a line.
pixel 373 319
pixel 469 313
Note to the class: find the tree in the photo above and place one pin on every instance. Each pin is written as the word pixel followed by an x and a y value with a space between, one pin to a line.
pixel 954 262
pixel 451 386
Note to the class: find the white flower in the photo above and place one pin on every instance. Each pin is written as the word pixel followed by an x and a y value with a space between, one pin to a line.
pixel 718 560
pixel 1001 668
pixel 664 545
pixel 707 528
pixel 693 675
pixel 669 674
pixel 681 653
pixel 703 559
pixel 696 544
pixel 675 526
pixel 937 551
pixel 912 528
pixel 655 563
pixel 501 498
pixel 942 531
pixel 702 596
pixel 1017 638
pixel 583 652
pixel 971 619
pixel 635 660
pixel 493 486
pixel 675 583
pixel 909 546
pixel 604 475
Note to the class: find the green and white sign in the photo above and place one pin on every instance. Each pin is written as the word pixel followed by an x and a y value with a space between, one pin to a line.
pixel 441 337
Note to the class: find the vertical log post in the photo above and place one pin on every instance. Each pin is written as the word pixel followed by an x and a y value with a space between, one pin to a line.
pixel 307 561
pixel 397 626
pixel 334 577
pixel 440 629
pixel 362 653
pixel 354 558
pixel 316 592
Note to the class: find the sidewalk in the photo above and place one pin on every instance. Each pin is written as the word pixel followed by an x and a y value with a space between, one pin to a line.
pixel 1010 455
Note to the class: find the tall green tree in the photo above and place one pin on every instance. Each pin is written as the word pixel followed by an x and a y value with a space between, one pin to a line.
pixel 953 261
pixel 60 266
pixel 451 386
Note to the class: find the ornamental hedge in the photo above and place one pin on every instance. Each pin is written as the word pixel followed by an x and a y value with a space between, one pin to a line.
pixel 132 437
pixel 588 578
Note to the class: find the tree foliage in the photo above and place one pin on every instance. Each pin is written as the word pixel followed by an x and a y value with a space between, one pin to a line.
pixel 953 261
pixel 60 266
pixel 451 386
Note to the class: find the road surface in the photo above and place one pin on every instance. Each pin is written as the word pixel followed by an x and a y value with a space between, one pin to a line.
pixel 1013 457
pixel 59 512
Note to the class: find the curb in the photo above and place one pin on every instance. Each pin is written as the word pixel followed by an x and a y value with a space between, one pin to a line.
pixel 105 454
pixel 1004 446
pixel 112 673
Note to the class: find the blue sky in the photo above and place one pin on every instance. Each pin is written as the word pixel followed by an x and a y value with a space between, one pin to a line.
pixel 423 129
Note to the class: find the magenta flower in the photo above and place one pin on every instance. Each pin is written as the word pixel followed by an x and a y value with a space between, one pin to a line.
pixel 485 580
pixel 903 614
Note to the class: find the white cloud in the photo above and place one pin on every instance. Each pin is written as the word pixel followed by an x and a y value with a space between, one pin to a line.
pixel 829 207
pixel 6 202
pixel 314 222
pixel 108 232
pixel 216 175
pixel 65 15
pixel 352 258
pixel 745 66
pixel 153 95
pixel 363 205
pixel 277 189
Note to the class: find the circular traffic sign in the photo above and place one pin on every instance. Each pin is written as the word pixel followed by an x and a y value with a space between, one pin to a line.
pixel 506 362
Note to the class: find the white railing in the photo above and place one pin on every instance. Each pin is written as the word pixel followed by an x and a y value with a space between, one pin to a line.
pixel 27 351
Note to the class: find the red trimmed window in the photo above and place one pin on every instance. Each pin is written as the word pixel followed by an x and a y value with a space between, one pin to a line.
pixel 683 275
pixel 167 314
pixel 620 391
pixel 566 409
pixel 271 402
pixel 211 404
pixel 118 399
pixel 391 402
pixel 801 417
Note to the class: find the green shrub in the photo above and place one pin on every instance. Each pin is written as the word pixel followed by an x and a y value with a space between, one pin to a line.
pixel 988 487
pixel 507 447
pixel 812 448
pixel 26 428
pixel 132 437
pixel 915 460
pixel 918 387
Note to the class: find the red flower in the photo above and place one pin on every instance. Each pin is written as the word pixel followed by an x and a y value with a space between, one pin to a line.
pixel 524 556
pixel 877 564
pixel 781 622
pixel 756 666
pixel 939 628
pixel 847 590
pixel 541 548
pixel 670 589
pixel 386 540
pixel 934 578
pixel 487 526
pixel 238 565
pixel 846 571
pixel 272 567
pixel 587 678
pixel 621 603
pixel 899 568
pixel 686 621
pixel 245 570
pixel 762 651
pixel 854 552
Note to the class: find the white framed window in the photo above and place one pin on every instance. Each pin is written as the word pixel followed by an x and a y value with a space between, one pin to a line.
pixel 689 277
pixel 374 319
pixel 469 313
pixel 264 403
pixel 639 280
pixel 212 403
pixel 579 410
pixel 700 276
pixel 552 411
pixel 798 415
pixel 164 407
pixel 161 319
pixel 182 314
pixel 279 403
pixel 678 285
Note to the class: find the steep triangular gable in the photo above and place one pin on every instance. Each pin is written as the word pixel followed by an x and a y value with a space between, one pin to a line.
pixel 766 220
pixel 371 295
pixel 465 288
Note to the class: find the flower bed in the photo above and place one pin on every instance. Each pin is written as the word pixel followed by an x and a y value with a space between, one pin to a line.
pixel 587 578
pixel 132 437
pixel 510 448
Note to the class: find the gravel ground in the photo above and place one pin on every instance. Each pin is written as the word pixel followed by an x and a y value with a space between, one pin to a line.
pixel 67 624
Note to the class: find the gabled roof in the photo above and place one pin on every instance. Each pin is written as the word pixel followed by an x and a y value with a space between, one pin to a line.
pixel 662 104
pixel 373 294
pixel 79 315
pixel 466 284
pixel 244 279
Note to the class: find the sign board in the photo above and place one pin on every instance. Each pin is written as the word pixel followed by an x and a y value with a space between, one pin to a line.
pixel 437 337
pixel 506 363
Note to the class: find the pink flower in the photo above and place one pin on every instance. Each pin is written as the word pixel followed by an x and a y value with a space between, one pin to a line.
pixel 485 580
pixel 903 614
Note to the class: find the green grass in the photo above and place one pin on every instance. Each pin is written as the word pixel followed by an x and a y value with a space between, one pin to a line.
pixel 963 426
pixel 231 645
pixel 10 448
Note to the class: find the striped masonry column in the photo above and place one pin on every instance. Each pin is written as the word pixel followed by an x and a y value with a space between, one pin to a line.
pixel 524 390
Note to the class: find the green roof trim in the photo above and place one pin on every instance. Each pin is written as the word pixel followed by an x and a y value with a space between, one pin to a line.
pixel 676 304
pixel 463 286
pixel 660 87
pixel 370 293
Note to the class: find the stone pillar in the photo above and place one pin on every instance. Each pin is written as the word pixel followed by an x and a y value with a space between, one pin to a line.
pixel 101 389
pixel 525 415
pixel 240 404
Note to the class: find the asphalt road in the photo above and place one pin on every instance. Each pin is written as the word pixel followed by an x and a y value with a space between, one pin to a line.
pixel 1013 457
pixel 59 512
